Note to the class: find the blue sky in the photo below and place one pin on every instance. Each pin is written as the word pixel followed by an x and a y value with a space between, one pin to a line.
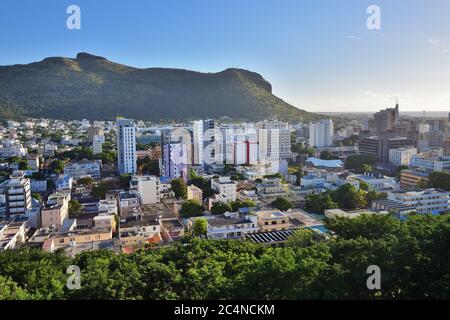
pixel 318 55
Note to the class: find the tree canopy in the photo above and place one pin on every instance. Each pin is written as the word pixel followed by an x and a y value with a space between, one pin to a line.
pixel 411 255
pixel 191 208
pixel 282 204
pixel 179 187
pixel 360 162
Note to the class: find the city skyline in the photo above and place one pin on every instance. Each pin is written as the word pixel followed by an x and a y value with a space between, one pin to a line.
pixel 318 56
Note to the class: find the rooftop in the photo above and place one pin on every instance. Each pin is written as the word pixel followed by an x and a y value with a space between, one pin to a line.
pixel 271 214
pixel 325 163
pixel 138 221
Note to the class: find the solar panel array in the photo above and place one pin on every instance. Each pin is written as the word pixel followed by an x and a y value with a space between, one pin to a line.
pixel 267 237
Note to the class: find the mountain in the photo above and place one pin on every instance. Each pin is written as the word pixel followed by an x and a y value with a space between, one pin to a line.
pixel 92 87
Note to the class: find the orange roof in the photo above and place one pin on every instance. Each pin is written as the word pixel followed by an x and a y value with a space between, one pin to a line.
pixel 128 250
pixel 155 239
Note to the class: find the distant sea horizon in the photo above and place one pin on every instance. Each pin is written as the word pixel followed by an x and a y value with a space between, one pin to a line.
pixel 428 114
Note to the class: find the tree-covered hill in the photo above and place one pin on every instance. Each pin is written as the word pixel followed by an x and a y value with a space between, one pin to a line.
pixel 94 88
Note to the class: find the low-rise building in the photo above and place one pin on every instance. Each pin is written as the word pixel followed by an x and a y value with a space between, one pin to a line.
pixel 105 222
pixel 430 164
pixel 225 187
pixel 64 182
pixel 272 188
pixel 401 156
pixel 107 207
pixel 392 206
pixel 272 220
pixel 12 233
pixel 231 226
pixel 128 200
pixel 148 188
pixel 55 211
pixel 172 229
pixel 136 231
pixel 84 168
pixel 433 201
pixel 194 193
pixel 76 238
pixel 411 178
pixel 376 181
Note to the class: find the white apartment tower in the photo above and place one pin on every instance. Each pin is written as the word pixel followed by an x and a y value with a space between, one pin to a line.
pixel 274 140
pixel 197 132
pixel 126 146
pixel 18 194
pixel 321 133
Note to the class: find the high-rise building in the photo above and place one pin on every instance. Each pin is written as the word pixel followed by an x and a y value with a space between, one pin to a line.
pixel 18 194
pixel 126 145
pixel 244 147
pixel 197 142
pixel 387 119
pixel 380 146
pixel 94 131
pixel 97 144
pixel 176 153
pixel 212 143
pixel 321 133
pixel 274 140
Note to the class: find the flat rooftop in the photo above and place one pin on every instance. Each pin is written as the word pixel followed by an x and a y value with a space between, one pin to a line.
pixel 271 214
pixel 138 221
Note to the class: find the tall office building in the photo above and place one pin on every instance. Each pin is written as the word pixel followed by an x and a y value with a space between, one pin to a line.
pixel 93 131
pixel 380 146
pixel 321 133
pixel 126 145
pixel 386 120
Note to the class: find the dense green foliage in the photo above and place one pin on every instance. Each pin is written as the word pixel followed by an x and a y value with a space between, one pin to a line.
pixel 191 208
pixel 74 206
pixel 203 184
pixel 282 204
pixel 179 187
pixel 94 88
pixel 302 149
pixel 439 180
pixel 231 206
pixel 412 256
pixel 200 227
pixel 360 162
pixel 148 166
pixel 344 197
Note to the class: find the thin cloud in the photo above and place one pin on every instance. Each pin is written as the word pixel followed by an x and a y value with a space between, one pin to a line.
pixel 353 37
pixel 434 41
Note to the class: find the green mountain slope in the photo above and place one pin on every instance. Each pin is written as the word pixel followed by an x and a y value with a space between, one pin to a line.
pixel 94 88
